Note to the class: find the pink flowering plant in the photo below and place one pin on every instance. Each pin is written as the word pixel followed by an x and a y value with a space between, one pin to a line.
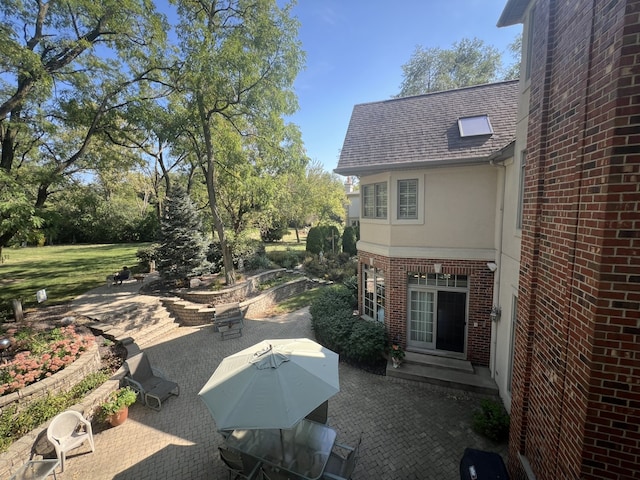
pixel 40 355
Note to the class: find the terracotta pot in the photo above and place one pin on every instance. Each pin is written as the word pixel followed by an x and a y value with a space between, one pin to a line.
pixel 118 418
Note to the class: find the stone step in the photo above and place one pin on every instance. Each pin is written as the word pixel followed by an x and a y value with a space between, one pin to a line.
pixel 436 361
pixel 479 381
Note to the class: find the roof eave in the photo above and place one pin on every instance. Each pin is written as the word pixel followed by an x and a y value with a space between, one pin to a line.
pixel 513 13
pixel 373 169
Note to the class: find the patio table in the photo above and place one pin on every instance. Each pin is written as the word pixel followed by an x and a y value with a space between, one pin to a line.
pixel 36 470
pixel 302 451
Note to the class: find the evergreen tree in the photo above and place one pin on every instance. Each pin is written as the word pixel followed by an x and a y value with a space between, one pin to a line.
pixel 183 248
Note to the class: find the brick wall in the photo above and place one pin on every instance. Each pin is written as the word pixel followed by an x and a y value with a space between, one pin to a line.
pixel 479 298
pixel 575 411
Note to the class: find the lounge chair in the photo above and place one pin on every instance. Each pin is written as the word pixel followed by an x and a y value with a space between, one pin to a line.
pixel 340 467
pixel 69 430
pixel 151 385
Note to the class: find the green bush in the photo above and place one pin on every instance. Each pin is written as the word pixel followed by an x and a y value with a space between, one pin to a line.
pixel 349 241
pixel 287 259
pixel 492 420
pixel 338 329
pixel 367 340
pixel 315 241
pixel 146 254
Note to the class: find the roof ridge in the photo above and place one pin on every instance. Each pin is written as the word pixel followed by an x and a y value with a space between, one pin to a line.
pixel 440 92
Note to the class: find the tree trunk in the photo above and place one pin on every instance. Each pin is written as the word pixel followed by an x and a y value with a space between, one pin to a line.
pixel 208 168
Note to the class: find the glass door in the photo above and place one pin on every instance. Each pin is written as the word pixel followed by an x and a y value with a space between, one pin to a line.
pixel 421 319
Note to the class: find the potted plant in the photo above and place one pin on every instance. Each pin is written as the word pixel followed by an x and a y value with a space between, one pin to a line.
pixel 397 355
pixel 115 409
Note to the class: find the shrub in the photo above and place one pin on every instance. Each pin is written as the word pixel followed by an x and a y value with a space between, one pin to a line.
pixel 315 240
pixel 147 254
pixel 492 420
pixel 349 241
pixel 338 329
pixel 287 259
pixel 367 341
pixel 274 233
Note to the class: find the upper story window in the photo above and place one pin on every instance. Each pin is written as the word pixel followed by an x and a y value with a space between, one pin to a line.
pixel 408 199
pixel 528 52
pixel 374 200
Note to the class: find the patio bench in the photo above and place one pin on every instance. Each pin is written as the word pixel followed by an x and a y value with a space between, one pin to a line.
pixel 228 319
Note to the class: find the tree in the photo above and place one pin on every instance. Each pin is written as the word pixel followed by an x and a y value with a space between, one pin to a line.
pixel 240 59
pixel 183 248
pixel 45 132
pixel 468 62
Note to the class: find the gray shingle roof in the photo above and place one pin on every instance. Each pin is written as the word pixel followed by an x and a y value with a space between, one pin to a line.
pixel 423 130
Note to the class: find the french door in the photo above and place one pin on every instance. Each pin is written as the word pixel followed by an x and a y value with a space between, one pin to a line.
pixel 437 320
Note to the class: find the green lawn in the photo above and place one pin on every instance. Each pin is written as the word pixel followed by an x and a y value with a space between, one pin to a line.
pixel 288 242
pixel 64 271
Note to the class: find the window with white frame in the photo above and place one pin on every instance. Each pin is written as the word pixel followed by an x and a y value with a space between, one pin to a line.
pixel 523 162
pixel 408 199
pixel 373 293
pixel 374 200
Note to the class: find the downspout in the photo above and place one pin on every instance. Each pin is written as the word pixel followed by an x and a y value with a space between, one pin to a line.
pixel 496 279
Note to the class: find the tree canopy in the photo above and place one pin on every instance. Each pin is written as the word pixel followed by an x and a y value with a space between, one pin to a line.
pixel 468 62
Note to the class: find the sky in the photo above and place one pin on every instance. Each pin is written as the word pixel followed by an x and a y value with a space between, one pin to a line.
pixel 355 50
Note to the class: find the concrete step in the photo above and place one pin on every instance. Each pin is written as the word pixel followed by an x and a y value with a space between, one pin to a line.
pixel 436 361
pixel 478 381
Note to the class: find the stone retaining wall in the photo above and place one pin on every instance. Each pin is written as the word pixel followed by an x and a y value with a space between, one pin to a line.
pixel 89 362
pixel 193 314
pixel 231 294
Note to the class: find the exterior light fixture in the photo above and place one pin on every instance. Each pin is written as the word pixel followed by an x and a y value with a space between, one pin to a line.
pixel 495 313
pixel 492 266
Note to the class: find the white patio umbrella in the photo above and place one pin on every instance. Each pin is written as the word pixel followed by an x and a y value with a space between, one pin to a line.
pixel 273 384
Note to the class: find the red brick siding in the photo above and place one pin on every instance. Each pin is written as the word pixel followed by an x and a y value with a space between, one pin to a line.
pixel 575 411
pixel 479 298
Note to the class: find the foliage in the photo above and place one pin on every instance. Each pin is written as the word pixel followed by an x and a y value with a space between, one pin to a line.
pixel 250 250
pixel 397 351
pixel 336 268
pixel 182 251
pixel 14 424
pixel 147 254
pixel 66 271
pixel 349 239
pixel 273 232
pixel 492 420
pixel 40 354
pixel 118 400
pixel 337 328
pixel 367 341
pixel 468 62
pixel 52 135
pixel 315 240
pixel 287 258
pixel 236 87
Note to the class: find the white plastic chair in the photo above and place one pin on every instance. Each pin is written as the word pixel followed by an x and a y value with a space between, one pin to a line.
pixel 69 430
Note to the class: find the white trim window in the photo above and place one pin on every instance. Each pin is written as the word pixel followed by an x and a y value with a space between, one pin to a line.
pixel 523 165
pixel 373 293
pixel 374 200
pixel 408 199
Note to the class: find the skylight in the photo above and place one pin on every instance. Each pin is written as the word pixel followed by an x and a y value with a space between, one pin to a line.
pixel 474 126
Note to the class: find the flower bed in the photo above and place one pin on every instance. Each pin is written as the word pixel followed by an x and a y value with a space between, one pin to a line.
pixel 42 354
